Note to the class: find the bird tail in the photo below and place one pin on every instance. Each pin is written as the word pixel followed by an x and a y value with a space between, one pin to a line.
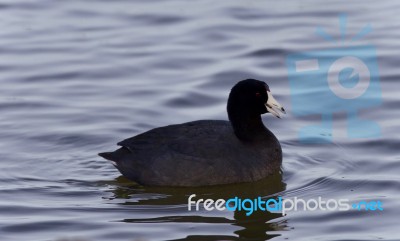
pixel 109 156
pixel 106 155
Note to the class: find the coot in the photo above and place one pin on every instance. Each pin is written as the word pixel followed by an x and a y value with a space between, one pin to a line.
pixel 207 152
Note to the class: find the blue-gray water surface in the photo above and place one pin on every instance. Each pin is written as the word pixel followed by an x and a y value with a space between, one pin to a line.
pixel 76 77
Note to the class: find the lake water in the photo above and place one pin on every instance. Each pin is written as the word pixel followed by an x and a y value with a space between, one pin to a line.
pixel 76 77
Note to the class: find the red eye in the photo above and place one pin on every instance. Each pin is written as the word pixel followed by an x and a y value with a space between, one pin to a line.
pixel 258 94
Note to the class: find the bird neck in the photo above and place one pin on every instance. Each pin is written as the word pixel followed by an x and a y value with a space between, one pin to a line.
pixel 247 127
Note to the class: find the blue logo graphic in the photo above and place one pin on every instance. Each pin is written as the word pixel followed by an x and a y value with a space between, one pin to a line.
pixel 342 79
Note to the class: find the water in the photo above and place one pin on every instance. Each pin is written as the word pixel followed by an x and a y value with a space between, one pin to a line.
pixel 76 77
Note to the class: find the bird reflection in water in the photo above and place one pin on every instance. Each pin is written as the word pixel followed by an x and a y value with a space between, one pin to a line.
pixel 170 204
